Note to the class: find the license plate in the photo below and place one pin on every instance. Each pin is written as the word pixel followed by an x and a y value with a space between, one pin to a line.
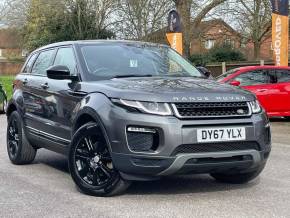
pixel 221 134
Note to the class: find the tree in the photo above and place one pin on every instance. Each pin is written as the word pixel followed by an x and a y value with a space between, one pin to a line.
pixel 139 18
pixel 253 19
pixel 62 20
pixel 14 12
pixel 189 22
pixel 90 19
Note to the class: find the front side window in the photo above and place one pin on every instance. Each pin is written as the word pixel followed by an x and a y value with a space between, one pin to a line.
pixel 120 60
pixel 29 64
pixel 258 77
pixel 42 62
pixel 65 57
pixel 283 76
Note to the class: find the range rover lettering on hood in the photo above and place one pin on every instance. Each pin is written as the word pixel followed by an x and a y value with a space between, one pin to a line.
pixel 205 98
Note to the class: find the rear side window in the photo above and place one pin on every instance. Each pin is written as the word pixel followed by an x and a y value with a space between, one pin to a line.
pixel 283 76
pixel 257 77
pixel 42 62
pixel 29 64
pixel 65 57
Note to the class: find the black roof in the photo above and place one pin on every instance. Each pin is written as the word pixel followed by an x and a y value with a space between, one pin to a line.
pixel 82 42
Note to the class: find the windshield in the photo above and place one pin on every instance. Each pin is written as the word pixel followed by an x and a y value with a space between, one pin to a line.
pixel 106 61
pixel 226 74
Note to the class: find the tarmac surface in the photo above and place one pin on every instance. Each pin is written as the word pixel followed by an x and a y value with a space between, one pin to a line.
pixel 45 189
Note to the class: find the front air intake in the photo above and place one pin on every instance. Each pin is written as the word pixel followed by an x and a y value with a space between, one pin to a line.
pixel 142 139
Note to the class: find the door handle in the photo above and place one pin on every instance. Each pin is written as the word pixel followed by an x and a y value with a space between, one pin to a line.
pixel 25 81
pixel 44 86
pixel 262 90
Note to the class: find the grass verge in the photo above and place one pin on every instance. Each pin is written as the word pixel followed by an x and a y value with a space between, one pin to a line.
pixel 6 82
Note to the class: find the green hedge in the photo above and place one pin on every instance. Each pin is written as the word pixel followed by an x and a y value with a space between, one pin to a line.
pixel 223 53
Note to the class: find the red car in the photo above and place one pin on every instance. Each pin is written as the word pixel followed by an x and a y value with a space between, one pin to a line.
pixel 270 84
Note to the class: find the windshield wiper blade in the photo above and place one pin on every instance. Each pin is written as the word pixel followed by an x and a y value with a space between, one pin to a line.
pixel 132 75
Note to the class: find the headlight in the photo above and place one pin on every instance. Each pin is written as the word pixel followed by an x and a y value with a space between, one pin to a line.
pixel 255 106
pixel 147 107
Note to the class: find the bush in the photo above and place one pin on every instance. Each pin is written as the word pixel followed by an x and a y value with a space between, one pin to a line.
pixel 223 53
pixel 200 59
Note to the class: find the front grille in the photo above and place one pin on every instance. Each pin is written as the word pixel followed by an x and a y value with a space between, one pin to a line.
pixel 209 110
pixel 215 147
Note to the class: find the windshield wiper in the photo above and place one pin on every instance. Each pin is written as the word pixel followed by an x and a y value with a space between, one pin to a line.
pixel 132 75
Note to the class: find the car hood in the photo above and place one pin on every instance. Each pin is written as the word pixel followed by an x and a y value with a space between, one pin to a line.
pixel 181 89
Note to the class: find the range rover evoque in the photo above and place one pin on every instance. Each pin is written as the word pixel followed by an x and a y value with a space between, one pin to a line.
pixel 124 111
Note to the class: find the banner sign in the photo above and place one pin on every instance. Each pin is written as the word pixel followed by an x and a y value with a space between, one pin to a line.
pixel 174 34
pixel 280 31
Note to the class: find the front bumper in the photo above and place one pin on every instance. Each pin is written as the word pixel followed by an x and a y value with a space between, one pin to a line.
pixel 174 132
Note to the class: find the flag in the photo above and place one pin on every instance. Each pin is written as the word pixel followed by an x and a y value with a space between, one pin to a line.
pixel 280 31
pixel 174 34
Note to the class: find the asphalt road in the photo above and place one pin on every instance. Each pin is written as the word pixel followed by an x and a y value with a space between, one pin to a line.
pixel 45 189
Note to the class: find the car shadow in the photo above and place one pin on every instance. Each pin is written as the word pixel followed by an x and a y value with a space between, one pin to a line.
pixel 279 120
pixel 51 159
pixel 184 185
pixel 165 186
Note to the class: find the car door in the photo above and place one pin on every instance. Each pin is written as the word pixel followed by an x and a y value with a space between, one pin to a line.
pixel 33 87
pixel 60 100
pixel 259 83
pixel 283 89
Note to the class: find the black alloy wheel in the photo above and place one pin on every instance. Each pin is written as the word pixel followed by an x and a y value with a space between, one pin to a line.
pixel 93 161
pixel 91 165
pixel 13 138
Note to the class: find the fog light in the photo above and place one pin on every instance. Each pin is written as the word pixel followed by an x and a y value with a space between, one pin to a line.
pixel 142 139
pixel 141 129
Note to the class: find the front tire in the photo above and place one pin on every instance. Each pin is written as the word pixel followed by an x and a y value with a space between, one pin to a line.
pixel 18 148
pixel 90 163
pixel 238 178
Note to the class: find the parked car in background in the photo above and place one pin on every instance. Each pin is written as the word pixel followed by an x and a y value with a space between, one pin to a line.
pixel 270 84
pixel 3 99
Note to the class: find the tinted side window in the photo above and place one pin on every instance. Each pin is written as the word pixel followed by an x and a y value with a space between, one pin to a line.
pixel 65 56
pixel 42 62
pixel 283 76
pixel 29 64
pixel 257 77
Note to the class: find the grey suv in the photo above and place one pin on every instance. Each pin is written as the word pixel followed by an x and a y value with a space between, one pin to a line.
pixel 124 111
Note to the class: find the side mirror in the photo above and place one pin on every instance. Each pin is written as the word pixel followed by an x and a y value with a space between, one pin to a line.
pixel 204 71
pixel 235 83
pixel 60 72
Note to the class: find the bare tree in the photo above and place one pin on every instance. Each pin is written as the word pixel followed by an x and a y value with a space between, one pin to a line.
pixel 252 19
pixel 138 18
pixel 190 21
pixel 14 12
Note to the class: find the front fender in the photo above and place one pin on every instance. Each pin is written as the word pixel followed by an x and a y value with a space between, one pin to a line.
pixel 98 106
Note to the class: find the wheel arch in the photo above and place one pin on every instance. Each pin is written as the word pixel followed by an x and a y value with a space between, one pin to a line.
pixel 10 109
pixel 89 115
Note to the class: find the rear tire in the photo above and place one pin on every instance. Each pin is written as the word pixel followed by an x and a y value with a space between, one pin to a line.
pixel 90 163
pixel 18 148
pixel 238 178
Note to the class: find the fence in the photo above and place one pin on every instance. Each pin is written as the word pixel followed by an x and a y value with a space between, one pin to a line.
pixel 10 67
pixel 218 69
